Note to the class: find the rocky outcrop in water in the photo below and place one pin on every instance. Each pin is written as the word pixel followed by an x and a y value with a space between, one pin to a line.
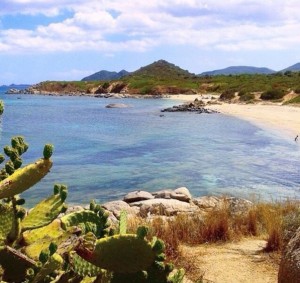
pixel 117 105
pixel 197 106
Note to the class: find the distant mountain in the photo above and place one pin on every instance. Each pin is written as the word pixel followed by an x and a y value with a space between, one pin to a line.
pixel 238 70
pixel 293 68
pixel 106 76
pixel 162 69
pixel 14 86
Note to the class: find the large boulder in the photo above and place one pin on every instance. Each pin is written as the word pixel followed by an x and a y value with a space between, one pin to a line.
pixel 181 194
pixel 117 105
pixel 208 203
pixel 137 196
pixel 115 207
pixel 167 207
pixel 238 205
pixel 289 269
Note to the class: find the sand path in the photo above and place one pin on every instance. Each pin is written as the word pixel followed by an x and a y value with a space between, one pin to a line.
pixel 241 262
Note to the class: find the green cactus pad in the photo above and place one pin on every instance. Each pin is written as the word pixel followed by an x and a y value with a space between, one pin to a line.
pixel 6 220
pixel 39 239
pixel 45 211
pixel 24 178
pixel 87 221
pixel 83 267
pixel 54 263
pixel 120 253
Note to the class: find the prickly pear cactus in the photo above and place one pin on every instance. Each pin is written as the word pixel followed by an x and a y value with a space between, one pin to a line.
pixel 47 210
pixel 6 220
pixel 86 221
pixel 120 253
pixel 24 178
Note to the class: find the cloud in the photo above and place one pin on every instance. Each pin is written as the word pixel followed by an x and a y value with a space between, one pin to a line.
pixel 110 26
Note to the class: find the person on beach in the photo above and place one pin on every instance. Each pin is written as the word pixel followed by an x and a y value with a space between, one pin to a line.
pixel 296 138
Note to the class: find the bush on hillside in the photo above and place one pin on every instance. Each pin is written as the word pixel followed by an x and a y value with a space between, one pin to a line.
pixel 297 90
pixel 247 96
pixel 272 94
pixel 227 95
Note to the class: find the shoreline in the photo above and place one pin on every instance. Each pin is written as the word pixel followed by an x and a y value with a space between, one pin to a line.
pixel 280 119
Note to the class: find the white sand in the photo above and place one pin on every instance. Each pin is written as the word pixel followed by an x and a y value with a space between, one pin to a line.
pixel 284 120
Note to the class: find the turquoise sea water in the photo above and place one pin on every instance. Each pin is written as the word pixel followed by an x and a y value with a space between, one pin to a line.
pixel 104 153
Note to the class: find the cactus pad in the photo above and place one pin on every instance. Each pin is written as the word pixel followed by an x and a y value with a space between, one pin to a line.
pixel 6 220
pixel 24 178
pixel 45 211
pixel 54 263
pixel 120 253
pixel 83 267
pixel 87 221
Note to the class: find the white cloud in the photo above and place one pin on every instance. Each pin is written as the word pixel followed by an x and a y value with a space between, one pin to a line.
pixel 140 26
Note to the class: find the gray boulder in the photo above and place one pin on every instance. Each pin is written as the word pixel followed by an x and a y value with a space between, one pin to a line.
pixel 181 194
pixel 208 203
pixel 117 105
pixel 289 269
pixel 167 207
pixel 137 196
pixel 115 207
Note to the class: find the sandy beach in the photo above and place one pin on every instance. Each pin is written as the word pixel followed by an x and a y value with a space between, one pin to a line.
pixel 282 119
pixel 285 119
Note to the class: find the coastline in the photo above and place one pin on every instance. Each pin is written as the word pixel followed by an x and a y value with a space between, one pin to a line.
pixel 280 119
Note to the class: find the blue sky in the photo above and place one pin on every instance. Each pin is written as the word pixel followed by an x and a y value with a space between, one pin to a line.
pixel 70 39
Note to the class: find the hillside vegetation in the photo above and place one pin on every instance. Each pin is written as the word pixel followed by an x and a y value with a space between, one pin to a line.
pixel 162 77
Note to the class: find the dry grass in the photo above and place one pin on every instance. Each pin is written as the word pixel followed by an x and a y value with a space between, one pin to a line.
pixel 267 220
pixel 274 222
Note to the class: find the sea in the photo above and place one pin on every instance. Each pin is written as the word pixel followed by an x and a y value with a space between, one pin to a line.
pixel 104 153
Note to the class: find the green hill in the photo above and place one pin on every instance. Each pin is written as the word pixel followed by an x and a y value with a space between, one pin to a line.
pixel 161 77
pixel 238 70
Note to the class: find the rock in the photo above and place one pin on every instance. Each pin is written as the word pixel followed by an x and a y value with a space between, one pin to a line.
pixel 238 205
pixel 289 269
pixel 168 207
pixel 207 203
pixel 233 204
pixel 117 105
pixel 196 106
pixel 166 194
pixel 117 206
pixel 137 196
pixel 182 194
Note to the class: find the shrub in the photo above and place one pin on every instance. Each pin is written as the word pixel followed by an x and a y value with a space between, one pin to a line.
pixel 246 96
pixel 105 85
pixel 297 90
pixel 227 95
pixel 272 94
